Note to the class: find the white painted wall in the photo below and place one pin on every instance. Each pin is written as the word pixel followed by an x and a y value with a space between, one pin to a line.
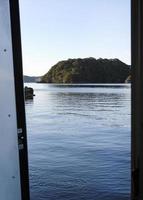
pixel 9 157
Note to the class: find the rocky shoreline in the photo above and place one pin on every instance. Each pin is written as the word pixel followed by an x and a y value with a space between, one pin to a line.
pixel 29 93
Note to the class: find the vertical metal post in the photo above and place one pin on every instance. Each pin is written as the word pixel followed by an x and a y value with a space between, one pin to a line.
pixel 137 99
pixel 20 104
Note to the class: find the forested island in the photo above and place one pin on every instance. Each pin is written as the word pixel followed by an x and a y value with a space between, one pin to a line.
pixel 88 70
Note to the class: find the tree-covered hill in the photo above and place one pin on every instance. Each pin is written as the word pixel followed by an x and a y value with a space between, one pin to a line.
pixel 88 70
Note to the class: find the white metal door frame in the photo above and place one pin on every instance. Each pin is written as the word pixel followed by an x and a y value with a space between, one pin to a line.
pixel 14 179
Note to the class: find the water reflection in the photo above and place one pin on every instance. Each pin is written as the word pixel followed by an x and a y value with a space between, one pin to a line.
pixel 79 142
pixel 90 85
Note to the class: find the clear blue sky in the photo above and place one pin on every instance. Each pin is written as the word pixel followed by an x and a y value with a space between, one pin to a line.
pixel 54 30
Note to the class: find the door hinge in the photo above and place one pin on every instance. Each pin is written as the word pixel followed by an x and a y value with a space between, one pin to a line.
pixel 20 139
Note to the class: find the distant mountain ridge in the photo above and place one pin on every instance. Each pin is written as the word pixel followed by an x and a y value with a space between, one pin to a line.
pixel 31 79
pixel 88 70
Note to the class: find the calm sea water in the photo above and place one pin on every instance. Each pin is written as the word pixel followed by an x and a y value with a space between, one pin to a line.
pixel 79 142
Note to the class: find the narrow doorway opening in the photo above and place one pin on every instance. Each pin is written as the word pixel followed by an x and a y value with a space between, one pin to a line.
pixel 79 120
